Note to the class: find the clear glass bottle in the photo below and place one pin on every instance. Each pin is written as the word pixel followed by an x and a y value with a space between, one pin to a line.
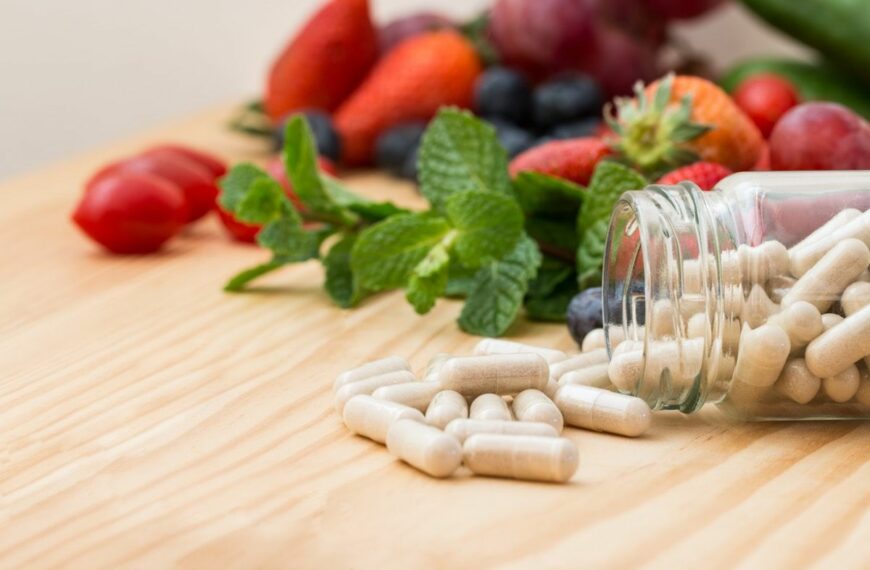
pixel 721 295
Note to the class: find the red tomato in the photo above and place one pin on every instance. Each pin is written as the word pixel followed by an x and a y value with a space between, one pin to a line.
pixel 131 212
pixel 237 230
pixel 213 164
pixel 195 182
pixel 765 98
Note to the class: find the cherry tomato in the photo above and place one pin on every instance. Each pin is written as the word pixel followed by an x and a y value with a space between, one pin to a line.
pixel 195 181
pixel 239 231
pixel 765 98
pixel 131 212
pixel 213 164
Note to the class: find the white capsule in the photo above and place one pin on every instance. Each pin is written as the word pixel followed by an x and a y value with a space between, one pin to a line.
pixel 855 297
pixel 578 362
pixel 369 369
pixel 504 374
pixel 372 418
pixel 489 346
pixel 699 325
pixel 600 410
pixel 535 406
pixel 758 307
pixel 862 395
pixel 434 366
pixel 415 395
pixel 596 375
pixel 445 407
pixel 797 383
pixel 801 321
pixel 835 350
pixel 823 284
pixel 843 386
pixel 552 459
pixel 779 286
pixel 489 407
pixel 625 369
pixel 550 388
pixel 422 446
pixel 806 257
pixel 830 320
pixel 369 385
pixel 462 429
pixel 842 218
pixel 594 340
pixel 762 355
pixel 663 320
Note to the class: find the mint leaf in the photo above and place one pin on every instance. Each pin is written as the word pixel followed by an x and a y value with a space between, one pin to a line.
pixel 498 290
pixel 429 279
pixel 300 162
pixel 554 235
pixel 459 153
pixel 368 210
pixel 241 279
pixel 488 225
pixel 540 194
pixel 386 253
pixel 609 181
pixel 264 202
pixel 460 279
pixel 235 184
pixel 554 305
pixel 551 274
pixel 340 283
pixel 291 243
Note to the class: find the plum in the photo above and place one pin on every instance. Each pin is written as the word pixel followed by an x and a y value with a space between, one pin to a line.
pixel 820 136
pixel 405 27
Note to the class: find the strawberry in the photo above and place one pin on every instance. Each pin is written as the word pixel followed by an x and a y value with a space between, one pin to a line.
pixel 571 159
pixel 682 119
pixel 409 84
pixel 325 62
pixel 705 174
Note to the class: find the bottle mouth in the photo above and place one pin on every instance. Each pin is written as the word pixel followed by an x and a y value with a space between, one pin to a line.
pixel 661 296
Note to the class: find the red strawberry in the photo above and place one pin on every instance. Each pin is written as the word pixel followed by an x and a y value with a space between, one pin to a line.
pixel 410 83
pixel 705 174
pixel 571 159
pixel 325 62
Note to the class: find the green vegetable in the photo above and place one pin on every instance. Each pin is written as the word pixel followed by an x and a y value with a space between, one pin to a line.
pixel 813 81
pixel 839 29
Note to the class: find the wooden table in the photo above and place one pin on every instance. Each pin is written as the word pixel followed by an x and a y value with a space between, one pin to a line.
pixel 150 420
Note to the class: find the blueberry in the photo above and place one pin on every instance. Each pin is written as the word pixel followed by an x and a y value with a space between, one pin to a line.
pixel 325 135
pixel 503 93
pixel 395 145
pixel 583 128
pixel 514 139
pixel 566 100
pixel 584 313
pixel 409 167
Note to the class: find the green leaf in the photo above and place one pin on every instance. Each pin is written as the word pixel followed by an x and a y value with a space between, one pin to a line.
pixel 554 234
pixel 553 307
pixel 340 282
pixel 460 279
pixel 498 291
pixel 488 225
pixel 540 194
pixel 386 253
pixel 300 162
pixel 368 210
pixel 235 184
pixel 264 202
pixel 609 181
pixel 551 274
pixel 429 280
pixel 288 241
pixel 460 153
pixel 241 279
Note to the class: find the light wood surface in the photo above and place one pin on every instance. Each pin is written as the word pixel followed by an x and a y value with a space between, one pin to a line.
pixel 149 420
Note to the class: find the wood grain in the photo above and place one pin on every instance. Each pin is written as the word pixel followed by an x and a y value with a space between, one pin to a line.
pixel 149 420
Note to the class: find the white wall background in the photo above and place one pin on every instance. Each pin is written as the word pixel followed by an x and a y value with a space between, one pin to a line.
pixel 79 73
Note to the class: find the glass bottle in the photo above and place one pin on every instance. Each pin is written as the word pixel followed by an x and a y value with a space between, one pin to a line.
pixel 733 296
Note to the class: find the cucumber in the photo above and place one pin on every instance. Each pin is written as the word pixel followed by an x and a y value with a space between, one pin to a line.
pixel 839 29
pixel 813 81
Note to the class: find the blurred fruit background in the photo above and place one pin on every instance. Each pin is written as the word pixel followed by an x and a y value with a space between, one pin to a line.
pixel 100 58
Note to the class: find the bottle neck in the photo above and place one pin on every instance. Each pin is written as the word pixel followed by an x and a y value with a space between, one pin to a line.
pixel 664 292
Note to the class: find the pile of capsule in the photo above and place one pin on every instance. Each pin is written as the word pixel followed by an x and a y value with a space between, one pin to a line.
pixel 800 335
pixel 499 412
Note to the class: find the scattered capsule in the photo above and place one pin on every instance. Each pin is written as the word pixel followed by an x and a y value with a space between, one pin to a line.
pixel 489 346
pixel 552 459
pixel 503 374
pixel 830 320
pixel 862 395
pixel 372 418
pixel 369 385
pixel 462 429
pixel 625 369
pixel 535 406
pixel 578 362
pixel 375 368
pixel 594 340
pixel 842 218
pixel 778 287
pixel 801 321
pixel 835 350
pixel 806 257
pixel 662 323
pixel 427 448
pixel 550 388
pixel 490 407
pixel 600 410
pixel 823 284
pixel 855 297
pixel 762 355
pixel 445 407
pixel 434 366
pixel 841 387
pixel 596 375
pixel 699 326
pixel 758 307
pixel 415 395
pixel 797 382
